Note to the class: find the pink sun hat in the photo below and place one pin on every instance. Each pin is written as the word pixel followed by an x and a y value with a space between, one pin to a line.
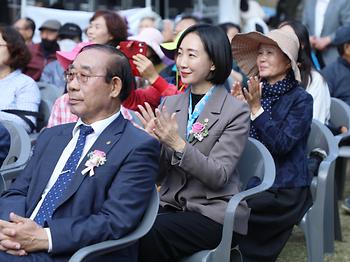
pixel 66 58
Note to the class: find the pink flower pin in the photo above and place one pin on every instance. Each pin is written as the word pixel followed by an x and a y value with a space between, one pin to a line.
pixel 199 130
pixel 197 127
pixel 96 158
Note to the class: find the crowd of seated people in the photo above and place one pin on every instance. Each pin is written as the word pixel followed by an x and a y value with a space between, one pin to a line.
pixel 182 113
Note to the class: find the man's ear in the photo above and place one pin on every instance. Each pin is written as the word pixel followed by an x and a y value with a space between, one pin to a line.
pixel 116 86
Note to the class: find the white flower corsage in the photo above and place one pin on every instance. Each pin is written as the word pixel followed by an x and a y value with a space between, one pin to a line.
pixel 96 158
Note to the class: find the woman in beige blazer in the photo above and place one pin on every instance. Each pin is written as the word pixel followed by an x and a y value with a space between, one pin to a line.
pixel 203 133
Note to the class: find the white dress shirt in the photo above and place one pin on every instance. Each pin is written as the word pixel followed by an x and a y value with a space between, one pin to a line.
pixel 98 127
pixel 321 7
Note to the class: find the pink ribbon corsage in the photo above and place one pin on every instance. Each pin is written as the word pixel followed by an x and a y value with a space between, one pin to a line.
pixel 199 130
pixel 96 158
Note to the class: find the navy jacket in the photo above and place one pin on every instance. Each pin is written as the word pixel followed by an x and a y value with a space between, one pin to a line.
pixel 337 76
pixel 94 208
pixel 285 136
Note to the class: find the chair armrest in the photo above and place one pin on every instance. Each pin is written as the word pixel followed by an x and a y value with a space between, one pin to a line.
pixel 226 240
pixel 325 181
pixel 340 137
pixel 11 172
pixel 112 245
pixel 2 184
pixel 234 202
pixel 102 248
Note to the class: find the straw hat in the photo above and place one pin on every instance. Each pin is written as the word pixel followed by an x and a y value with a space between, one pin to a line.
pixel 245 49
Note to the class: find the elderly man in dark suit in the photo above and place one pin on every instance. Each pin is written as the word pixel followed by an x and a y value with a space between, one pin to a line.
pixel 88 181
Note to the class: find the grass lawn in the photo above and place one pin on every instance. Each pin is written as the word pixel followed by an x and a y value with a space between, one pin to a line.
pixel 295 250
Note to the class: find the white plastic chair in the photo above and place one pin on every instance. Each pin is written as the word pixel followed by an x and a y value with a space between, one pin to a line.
pixel 318 222
pixel 257 161
pixel 19 153
pixel 340 116
pixel 49 92
pixel 93 251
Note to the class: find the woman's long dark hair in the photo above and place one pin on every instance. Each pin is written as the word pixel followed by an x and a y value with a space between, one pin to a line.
pixel 304 56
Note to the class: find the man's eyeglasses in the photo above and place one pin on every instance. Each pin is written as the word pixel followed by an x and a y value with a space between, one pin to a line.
pixel 81 77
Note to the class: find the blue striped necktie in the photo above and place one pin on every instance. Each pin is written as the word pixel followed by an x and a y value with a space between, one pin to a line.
pixel 56 192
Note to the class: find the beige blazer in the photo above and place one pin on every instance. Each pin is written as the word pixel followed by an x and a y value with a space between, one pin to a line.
pixel 205 178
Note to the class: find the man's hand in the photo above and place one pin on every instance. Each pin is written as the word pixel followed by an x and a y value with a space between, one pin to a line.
pixel 313 41
pixel 322 43
pixel 17 251
pixel 22 235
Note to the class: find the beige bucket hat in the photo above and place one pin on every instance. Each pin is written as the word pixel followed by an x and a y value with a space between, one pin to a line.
pixel 245 49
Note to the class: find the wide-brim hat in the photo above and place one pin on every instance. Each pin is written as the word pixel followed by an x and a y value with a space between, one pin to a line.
pixel 169 48
pixel 66 58
pixel 245 49
pixel 152 37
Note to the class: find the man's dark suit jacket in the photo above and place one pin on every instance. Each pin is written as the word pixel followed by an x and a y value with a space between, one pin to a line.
pixel 95 208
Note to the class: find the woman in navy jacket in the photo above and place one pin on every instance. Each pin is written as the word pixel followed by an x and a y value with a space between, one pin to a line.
pixel 281 115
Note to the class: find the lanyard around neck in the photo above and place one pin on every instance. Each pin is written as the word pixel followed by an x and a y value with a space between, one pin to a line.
pixel 192 116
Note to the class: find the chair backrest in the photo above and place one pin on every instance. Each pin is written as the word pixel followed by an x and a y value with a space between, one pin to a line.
pixel 20 145
pixel 44 109
pixel 321 137
pixel 49 92
pixel 340 113
pixel 2 184
pixel 148 218
pixel 20 149
pixel 319 219
pixel 111 245
pixel 257 161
